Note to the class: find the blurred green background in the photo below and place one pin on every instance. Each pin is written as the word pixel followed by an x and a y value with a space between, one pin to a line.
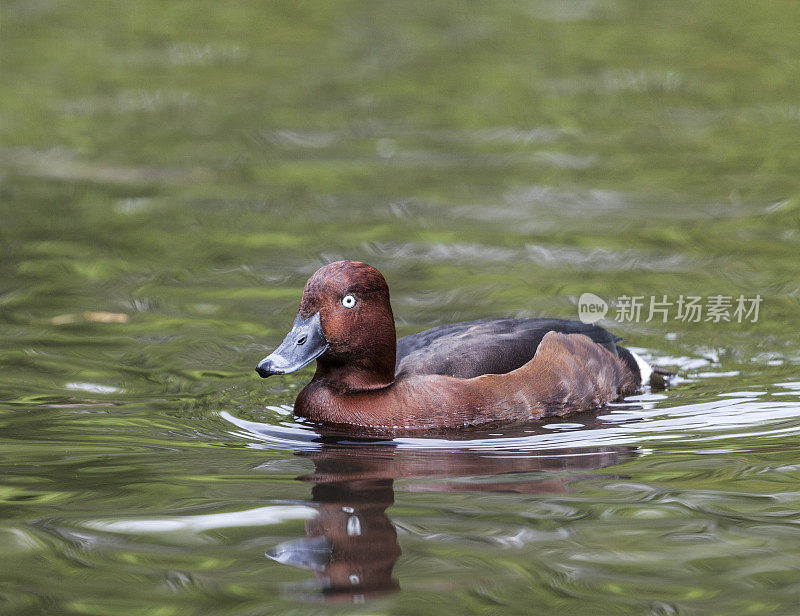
pixel 172 172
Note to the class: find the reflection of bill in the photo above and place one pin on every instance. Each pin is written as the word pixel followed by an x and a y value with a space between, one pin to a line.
pixel 351 544
pixel 591 308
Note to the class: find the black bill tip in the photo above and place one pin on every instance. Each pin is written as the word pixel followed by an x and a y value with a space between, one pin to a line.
pixel 264 370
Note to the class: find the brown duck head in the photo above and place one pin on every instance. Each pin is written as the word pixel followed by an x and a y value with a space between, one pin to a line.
pixel 345 322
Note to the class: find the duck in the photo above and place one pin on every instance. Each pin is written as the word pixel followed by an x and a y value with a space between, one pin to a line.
pixel 453 376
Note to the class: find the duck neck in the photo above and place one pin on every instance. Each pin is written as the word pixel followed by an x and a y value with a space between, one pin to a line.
pixel 373 373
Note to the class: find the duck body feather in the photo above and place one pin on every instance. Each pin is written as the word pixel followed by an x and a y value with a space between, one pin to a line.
pixel 450 376
pixel 486 346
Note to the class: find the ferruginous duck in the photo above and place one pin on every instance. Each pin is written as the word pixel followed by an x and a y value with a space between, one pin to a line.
pixel 451 376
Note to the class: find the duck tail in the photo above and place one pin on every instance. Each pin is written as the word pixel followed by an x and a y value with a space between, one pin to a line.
pixel 661 378
pixel 657 378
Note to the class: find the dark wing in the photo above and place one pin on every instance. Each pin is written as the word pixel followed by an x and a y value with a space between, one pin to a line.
pixel 487 346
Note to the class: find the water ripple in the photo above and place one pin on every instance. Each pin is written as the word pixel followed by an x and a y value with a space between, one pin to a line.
pixel 639 420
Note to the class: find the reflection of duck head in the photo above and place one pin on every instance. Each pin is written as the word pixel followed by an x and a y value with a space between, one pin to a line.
pixel 352 545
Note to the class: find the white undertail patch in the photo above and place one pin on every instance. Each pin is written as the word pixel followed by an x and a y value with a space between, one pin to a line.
pixel 644 368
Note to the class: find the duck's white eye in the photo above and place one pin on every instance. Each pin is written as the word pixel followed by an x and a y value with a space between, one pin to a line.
pixel 348 301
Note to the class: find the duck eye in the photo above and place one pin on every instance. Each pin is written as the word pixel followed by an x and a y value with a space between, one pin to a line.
pixel 348 301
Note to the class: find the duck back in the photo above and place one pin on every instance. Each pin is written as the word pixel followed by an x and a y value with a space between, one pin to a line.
pixel 486 346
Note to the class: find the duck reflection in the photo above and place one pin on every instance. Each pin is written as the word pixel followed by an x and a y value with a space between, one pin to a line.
pixel 351 544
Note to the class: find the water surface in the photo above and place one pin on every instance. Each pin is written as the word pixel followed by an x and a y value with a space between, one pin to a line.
pixel 171 174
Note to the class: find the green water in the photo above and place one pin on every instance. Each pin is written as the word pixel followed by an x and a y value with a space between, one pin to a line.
pixel 170 175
